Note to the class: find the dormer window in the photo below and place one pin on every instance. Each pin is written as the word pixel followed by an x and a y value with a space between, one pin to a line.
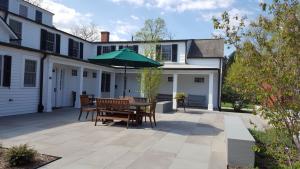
pixel 166 52
pixel 23 10
pixel 4 4
pixel 38 16
pixel 75 49
pixel 16 26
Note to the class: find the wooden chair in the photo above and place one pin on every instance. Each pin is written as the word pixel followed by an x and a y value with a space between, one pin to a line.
pixel 150 113
pixel 86 107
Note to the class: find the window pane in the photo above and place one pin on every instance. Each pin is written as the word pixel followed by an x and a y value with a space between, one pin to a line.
pixel 50 41
pixel 4 4
pixel 39 16
pixel 23 10
pixel 166 52
pixel 30 73
pixel 106 49
pixel 17 28
pixel 75 49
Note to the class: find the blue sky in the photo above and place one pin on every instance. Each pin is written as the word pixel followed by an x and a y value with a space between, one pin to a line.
pixel 185 18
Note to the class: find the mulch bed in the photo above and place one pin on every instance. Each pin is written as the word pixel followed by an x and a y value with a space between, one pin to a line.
pixel 40 160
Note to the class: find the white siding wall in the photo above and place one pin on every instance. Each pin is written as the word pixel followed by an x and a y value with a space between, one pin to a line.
pixel 24 99
pixel 89 83
pixel 205 63
pixel 133 87
pixel 71 84
pixel 165 86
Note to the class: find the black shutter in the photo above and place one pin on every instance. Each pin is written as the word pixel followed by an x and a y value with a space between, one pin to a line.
pixel 174 52
pixel 70 47
pixel 7 71
pixel 158 52
pixel 113 48
pixel 136 48
pixel 99 50
pixel 43 39
pixel 102 82
pixel 81 50
pixel 57 41
pixel 120 47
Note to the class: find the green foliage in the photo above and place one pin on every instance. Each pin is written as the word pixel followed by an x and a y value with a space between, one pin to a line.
pixel 20 155
pixel 266 67
pixel 150 79
pixel 274 149
pixel 180 95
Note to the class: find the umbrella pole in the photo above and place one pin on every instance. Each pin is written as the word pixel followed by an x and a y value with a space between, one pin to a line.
pixel 125 82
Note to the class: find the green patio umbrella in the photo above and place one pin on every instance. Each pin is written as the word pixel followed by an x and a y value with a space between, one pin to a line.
pixel 126 58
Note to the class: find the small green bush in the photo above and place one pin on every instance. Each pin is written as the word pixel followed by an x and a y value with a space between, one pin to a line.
pixel 180 95
pixel 274 150
pixel 20 155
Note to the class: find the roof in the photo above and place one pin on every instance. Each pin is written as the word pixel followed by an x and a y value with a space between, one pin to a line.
pixel 199 48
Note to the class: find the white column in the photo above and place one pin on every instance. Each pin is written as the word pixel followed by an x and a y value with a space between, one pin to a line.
pixel 210 105
pixel 175 83
pixel 48 86
pixel 112 84
pixel 80 86
pixel 98 83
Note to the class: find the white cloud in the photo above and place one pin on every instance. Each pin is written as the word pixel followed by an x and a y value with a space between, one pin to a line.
pixel 65 17
pixel 180 5
pixel 134 17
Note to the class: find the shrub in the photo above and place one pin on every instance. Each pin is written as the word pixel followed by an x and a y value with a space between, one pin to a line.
pixel 274 149
pixel 180 95
pixel 20 155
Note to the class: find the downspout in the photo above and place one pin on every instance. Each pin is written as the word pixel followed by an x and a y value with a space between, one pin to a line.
pixel 220 84
pixel 40 105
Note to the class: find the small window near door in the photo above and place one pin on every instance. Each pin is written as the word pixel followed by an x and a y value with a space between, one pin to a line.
pixel 199 80
pixel 30 73
pixel 85 74
pixel 170 79
pixel 94 75
pixel 74 72
pixel 23 10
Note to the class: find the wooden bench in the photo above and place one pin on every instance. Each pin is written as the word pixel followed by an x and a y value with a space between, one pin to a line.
pixel 239 143
pixel 164 97
pixel 196 100
pixel 113 109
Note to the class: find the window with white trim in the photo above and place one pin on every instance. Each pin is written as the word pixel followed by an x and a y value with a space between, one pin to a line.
pixel 85 74
pixel 23 10
pixel 166 52
pixel 16 26
pixel 199 80
pixel 50 42
pixel 94 75
pixel 74 72
pixel 170 79
pixel 30 73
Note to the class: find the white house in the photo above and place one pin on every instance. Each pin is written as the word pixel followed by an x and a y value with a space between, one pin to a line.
pixel 42 67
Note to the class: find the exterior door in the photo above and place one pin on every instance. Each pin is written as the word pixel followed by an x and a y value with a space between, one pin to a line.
pixel 58 85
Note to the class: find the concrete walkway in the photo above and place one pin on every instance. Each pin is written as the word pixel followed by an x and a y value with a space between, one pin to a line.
pixel 194 139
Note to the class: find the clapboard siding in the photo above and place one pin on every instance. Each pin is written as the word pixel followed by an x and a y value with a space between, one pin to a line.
pixel 19 99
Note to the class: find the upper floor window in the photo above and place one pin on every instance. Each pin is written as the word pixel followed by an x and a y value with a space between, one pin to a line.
pixel 50 41
pixel 75 49
pixel 5 70
pixel 107 49
pixel 38 16
pixel 16 26
pixel 23 10
pixel 166 52
pixel 4 4
pixel 30 73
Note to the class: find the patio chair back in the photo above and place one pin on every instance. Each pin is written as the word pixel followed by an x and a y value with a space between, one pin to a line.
pixel 84 100
pixel 140 99
pixel 129 98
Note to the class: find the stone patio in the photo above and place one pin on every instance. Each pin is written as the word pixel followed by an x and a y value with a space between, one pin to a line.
pixel 194 139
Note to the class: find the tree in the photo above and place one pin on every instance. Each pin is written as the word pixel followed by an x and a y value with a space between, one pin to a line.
pixel 88 32
pixel 266 67
pixel 153 31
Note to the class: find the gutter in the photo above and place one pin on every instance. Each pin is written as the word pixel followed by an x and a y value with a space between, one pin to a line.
pixel 40 105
